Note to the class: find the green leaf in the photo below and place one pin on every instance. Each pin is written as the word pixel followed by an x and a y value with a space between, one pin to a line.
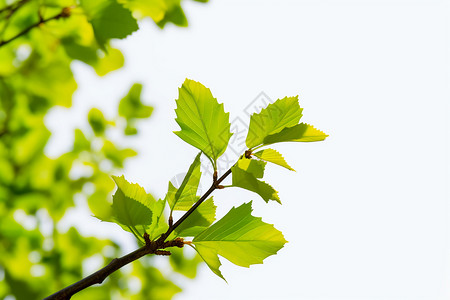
pixel 275 117
pixel 97 121
pixel 210 257
pixel 183 264
pixel 81 143
pixel 154 9
pixel 109 20
pixel 112 61
pixel 131 107
pixel 175 15
pixel 117 156
pixel 159 224
pixel 131 204
pixel 203 121
pixel 199 220
pixel 184 197
pixel 239 237
pixel 80 52
pixel 247 180
pixel 273 156
pixel 253 166
pixel 299 133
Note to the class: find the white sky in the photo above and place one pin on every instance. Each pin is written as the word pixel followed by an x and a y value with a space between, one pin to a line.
pixel 366 214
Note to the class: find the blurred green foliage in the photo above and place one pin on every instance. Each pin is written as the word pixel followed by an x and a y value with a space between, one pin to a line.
pixel 38 41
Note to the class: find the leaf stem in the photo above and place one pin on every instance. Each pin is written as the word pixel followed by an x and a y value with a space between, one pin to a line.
pixel 150 247
pixel 194 207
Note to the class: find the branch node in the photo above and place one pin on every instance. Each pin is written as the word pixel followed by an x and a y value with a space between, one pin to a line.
pixel 248 154
pixel 66 12
pixel 147 239
pixel 178 242
pixel 162 252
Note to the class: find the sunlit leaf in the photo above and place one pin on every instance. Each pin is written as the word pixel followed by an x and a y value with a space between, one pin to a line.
pixel 117 156
pixel 298 133
pixel 131 106
pixel 210 257
pixel 247 180
pixel 97 121
pixel 239 237
pixel 253 166
pixel 159 224
pixel 185 196
pixel 273 156
pixel 81 143
pixel 275 117
pixel 203 121
pixel 131 204
pixel 199 220
pixel 112 61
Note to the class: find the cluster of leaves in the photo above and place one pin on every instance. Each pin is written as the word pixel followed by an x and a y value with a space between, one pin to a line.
pixel 39 39
pixel 239 237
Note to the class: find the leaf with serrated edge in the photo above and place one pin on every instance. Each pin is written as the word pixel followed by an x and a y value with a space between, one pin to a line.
pixel 256 167
pixel 199 220
pixel 203 121
pixel 210 257
pixel 274 157
pixel 240 237
pixel 299 133
pixel 131 204
pixel 275 117
pixel 185 196
pixel 246 180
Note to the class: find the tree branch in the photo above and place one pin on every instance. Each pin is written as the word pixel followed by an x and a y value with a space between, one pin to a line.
pixel 214 186
pixel 13 7
pixel 151 247
pixel 65 13
pixel 117 263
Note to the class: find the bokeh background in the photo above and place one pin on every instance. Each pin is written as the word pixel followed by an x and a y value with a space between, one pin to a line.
pixel 366 214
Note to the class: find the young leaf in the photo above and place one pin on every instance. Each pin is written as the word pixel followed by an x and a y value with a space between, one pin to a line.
pixel 109 20
pixel 253 166
pixel 203 121
pixel 131 204
pixel 185 196
pixel 247 180
pixel 199 220
pixel 275 117
pixel 239 237
pixel 299 133
pixel 272 156
pixel 159 224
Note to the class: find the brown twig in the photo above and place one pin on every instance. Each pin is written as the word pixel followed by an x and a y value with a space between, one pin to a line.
pixel 151 247
pixel 65 13
pixel 13 7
